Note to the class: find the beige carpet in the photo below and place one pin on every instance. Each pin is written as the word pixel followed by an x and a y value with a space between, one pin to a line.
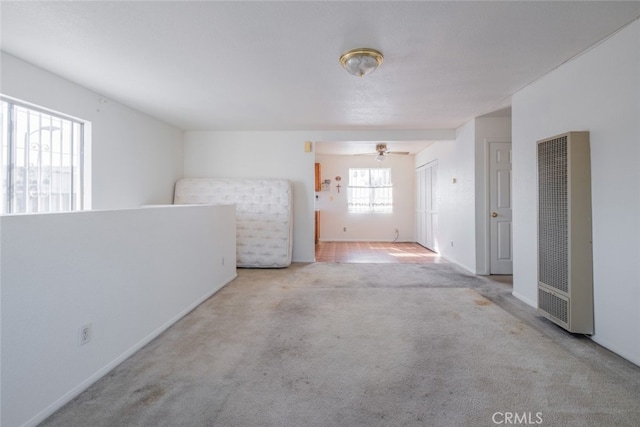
pixel 362 345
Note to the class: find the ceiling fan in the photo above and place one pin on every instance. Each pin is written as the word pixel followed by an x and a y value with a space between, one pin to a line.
pixel 382 152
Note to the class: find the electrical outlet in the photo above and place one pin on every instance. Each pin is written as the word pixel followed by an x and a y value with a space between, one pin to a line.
pixel 452 243
pixel 344 228
pixel 84 334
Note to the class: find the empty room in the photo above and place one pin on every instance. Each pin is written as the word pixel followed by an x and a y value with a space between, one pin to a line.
pixel 319 213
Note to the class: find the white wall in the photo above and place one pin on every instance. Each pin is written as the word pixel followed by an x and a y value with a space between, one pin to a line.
pixel 136 159
pixel 129 273
pixel 463 216
pixel 260 155
pixel 281 155
pixel 598 92
pixel 379 227
pixel 456 217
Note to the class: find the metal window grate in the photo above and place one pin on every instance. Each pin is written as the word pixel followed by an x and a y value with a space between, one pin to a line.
pixel 42 155
pixel 370 190
pixel 552 214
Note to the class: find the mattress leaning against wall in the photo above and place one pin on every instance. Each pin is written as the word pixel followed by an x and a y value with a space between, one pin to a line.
pixel 264 209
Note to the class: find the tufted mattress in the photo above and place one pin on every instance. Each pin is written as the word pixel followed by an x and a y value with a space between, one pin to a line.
pixel 264 210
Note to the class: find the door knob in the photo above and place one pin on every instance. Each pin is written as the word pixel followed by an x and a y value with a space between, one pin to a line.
pixel 494 214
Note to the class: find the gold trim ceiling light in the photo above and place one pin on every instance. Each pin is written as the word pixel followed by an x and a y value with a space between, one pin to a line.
pixel 361 61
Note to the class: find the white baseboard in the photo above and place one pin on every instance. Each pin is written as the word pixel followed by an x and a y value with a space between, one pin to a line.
pixel 527 301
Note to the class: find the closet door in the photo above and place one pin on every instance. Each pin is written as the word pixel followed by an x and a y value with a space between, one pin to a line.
pixel 420 205
pixel 427 205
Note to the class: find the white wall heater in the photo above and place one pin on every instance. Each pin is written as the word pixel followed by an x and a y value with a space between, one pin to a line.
pixel 565 256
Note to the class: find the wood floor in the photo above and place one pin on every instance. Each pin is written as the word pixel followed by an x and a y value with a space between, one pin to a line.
pixel 375 252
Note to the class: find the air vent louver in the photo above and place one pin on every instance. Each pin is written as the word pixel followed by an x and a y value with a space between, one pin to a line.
pixel 565 278
pixel 554 305
pixel 552 213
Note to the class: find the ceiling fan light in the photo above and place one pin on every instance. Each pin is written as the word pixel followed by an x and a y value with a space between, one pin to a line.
pixel 361 61
pixel 380 157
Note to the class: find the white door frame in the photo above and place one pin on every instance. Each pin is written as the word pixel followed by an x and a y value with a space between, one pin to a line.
pixel 485 213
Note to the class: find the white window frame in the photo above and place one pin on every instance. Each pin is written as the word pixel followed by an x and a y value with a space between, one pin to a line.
pixel 54 163
pixel 370 190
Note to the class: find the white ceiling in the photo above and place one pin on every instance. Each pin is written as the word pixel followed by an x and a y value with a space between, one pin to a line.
pixel 273 65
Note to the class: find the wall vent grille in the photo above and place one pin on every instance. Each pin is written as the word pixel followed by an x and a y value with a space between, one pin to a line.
pixel 554 305
pixel 565 256
pixel 552 214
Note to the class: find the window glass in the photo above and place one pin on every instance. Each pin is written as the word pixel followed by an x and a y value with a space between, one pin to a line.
pixel 370 190
pixel 42 167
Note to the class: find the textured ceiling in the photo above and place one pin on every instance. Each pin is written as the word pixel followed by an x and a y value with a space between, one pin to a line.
pixel 266 65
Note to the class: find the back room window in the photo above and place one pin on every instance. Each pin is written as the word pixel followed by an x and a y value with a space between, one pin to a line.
pixel 42 160
pixel 370 190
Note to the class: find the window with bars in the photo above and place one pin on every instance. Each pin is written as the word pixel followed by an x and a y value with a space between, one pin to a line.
pixel 42 160
pixel 370 190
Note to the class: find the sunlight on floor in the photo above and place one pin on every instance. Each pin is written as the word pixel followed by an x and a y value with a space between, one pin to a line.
pixel 375 252
pixel 412 254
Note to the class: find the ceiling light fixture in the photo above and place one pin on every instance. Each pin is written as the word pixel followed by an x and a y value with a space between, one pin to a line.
pixel 361 61
pixel 381 149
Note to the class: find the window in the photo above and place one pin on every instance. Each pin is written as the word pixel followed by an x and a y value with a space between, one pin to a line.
pixel 370 190
pixel 42 160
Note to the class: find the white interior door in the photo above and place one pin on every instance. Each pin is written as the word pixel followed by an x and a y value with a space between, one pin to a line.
pixel 420 206
pixel 427 205
pixel 500 228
